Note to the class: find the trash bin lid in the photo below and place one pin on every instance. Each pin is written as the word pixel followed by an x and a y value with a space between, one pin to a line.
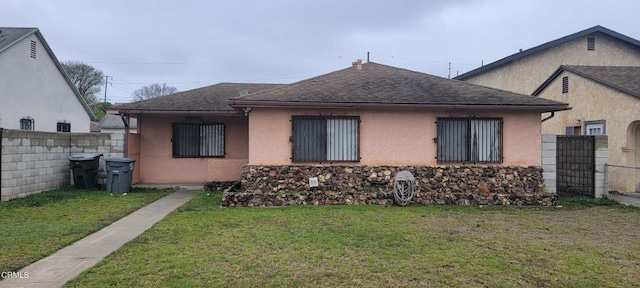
pixel 121 160
pixel 85 156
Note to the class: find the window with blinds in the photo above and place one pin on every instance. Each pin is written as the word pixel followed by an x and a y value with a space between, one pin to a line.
pixel 475 140
pixel 325 139
pixel 198 140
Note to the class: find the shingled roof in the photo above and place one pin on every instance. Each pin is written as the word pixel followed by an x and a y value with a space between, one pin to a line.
pixel 209 99
pixel 559 41
pixel 621 78
pixel 10 36
pixel 377 85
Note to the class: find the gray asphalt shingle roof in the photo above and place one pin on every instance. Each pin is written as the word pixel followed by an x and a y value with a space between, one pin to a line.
pixel 623 78
pixel 11 36
pixel 382 85
pixel 206 99
pixel 115 122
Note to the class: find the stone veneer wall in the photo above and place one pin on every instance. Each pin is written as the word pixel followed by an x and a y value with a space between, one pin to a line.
pixel 460 185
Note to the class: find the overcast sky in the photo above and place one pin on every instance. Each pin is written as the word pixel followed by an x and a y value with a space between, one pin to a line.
pixel 190 44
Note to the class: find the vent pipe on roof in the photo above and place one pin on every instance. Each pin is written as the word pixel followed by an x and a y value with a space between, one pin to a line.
pixel 357 64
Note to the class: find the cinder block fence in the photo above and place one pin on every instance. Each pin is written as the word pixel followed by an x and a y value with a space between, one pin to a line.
pixel 33 161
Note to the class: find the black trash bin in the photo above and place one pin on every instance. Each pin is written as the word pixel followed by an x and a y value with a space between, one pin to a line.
pixel 119 174
pixel 85 170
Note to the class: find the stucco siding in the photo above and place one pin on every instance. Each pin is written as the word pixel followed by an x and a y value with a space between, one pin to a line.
pixel 591 102
pixel 526 74
pixel 36 88
pixel 157 164
pixel 391 137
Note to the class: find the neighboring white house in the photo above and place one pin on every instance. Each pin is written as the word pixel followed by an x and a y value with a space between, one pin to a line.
pixel 36 93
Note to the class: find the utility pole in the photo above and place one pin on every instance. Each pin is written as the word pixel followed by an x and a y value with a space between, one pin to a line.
pixel 106 81
pixel 449 76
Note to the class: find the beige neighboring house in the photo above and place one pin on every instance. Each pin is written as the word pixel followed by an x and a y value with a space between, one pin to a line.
pixel 36 92
pixel 596 71
pixel 605 100
pixel 526 70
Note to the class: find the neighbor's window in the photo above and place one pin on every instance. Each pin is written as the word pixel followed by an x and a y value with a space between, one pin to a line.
pixel 198 140
pixel 63 127
pixel 595 128
pixel 573 130
pixel 565 84
pixel 591 43
pixel 470 140
pixel 26 123
pixel 325 138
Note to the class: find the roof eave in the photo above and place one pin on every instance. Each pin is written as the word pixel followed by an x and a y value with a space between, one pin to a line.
pixel 563 68
pixel 175 112
pixel 321 105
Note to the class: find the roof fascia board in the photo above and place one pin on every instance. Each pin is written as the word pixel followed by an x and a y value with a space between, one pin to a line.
pixel 579 73
pixel 278 104
pixel 548 81
pixel 174 112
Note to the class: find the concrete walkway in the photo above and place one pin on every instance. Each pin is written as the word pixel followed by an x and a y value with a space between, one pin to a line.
pixel 62 266
pixel 630 199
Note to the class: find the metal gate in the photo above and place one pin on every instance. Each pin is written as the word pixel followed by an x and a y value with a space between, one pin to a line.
pixel 575 168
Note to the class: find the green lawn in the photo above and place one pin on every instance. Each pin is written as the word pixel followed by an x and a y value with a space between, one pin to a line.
pixel 38 225
pixel 203 245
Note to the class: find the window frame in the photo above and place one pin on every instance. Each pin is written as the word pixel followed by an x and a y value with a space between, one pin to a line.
pixel 175 141
pixel 465 153
pixel 27 120
pixel 571 130
pixel 602 123
pixel 64 127
pixel 322 139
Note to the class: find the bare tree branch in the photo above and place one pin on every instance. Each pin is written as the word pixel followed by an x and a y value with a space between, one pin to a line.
pixel 153 90
pixel 88 81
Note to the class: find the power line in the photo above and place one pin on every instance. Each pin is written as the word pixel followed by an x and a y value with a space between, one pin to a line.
pixel 142 63
pixel 121 89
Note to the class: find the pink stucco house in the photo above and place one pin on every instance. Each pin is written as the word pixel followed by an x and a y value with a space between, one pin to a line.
pixel 353 129
pixel 189 137
pixel 340 138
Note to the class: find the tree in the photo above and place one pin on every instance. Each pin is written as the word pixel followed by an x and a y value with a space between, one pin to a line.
pixel 100 109
pixel 88 81
pixel 153 90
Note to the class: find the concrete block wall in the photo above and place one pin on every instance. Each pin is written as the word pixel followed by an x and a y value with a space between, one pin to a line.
pixel 602 158
pixel 549 162
pixel 109 144
pixel 33 161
